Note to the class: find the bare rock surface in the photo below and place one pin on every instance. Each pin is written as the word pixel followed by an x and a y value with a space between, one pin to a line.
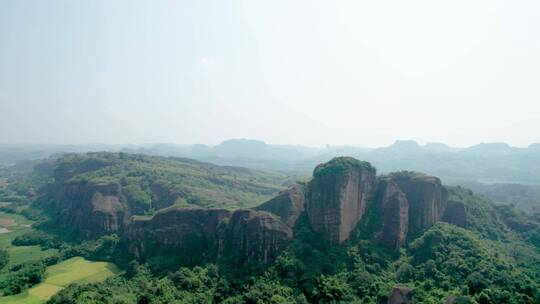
pixel 288 205
pixel 455 214
pixel 427 199
pixel 338 197
pixel 249 234
pixel 90 209
pixel 395 214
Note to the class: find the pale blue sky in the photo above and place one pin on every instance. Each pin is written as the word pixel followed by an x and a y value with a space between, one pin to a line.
pixel 288 72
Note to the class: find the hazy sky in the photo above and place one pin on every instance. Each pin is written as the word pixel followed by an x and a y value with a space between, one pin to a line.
pixel 289 72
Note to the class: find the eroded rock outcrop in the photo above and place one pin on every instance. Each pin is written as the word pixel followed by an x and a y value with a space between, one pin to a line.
pixel 254 235
pixel 395 214
pixel 338 196
pixel 288 205
pixel 401 206
pixel 427 199
pixel 89 208
pixel 455 214
pixel 197 233
pixel 182 230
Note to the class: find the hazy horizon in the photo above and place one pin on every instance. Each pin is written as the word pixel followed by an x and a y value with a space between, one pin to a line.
pixel 421 144
pixel 306 73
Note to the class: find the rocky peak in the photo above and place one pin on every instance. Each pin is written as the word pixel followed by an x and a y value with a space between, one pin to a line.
pixel 338 196
pixel 394 208
pixel 255 235
pixel 427 199
pixel 288 205
pixel 402 204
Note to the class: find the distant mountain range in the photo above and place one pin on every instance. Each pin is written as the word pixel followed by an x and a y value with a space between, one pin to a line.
pixel 486 162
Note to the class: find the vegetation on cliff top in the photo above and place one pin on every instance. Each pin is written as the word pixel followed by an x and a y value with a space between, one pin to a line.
pixel 146 180
pixel 340 164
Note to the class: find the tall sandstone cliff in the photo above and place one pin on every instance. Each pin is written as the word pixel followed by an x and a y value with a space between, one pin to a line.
pixel 344 189
pixel 427 199
pixel 336 200
pixel 184 231
pixel 254 235
pixel 343 193
pixel 288 205
pixel 92 207
pixel 197 234
pixel 88 208
pixel 455 214
pixel 394 208
pixel 338 196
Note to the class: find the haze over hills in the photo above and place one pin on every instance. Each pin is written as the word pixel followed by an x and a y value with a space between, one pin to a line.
pixel 484 163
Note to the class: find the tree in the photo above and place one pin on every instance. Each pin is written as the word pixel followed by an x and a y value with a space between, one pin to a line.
pixel 4 258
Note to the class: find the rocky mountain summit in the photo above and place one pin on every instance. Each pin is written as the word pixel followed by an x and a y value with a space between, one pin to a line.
pixel 343 195
pixel 338 196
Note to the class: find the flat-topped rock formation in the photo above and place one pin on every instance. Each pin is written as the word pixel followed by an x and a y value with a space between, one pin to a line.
pixel 427 199
pixel 254 235
pixel 183 230
pixel 342 192
pixel 208 233
pixel 338 196
pixel 89 208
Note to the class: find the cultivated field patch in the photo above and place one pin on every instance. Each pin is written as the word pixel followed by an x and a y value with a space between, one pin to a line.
pixel 74 270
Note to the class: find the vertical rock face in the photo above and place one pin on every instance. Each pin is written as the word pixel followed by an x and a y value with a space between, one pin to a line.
pixel 255 236
pixel 338 196
pixel 427 199
pixel 288 205
pixel 401 206
pixel 196 233
pixel 90 209
pixel 455 214
pixel 395 214
pixel 186 231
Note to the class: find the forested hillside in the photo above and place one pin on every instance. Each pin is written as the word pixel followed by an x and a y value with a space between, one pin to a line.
pixel 347 235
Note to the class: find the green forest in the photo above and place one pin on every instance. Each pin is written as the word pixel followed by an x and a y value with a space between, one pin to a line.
pixel 493 258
